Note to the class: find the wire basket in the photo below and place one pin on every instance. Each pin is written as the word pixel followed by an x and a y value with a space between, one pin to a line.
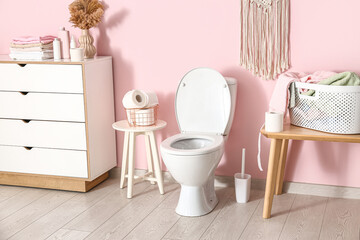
pixel 142 116
pixel 333 109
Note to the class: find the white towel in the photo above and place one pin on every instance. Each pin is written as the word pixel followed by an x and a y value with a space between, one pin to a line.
pixel 32 55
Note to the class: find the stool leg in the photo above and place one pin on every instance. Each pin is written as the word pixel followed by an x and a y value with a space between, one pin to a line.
pixel 124 159
pixel 131 165
pixel 281 167
pixel 156 160
pixel 275 148
pixel 149 157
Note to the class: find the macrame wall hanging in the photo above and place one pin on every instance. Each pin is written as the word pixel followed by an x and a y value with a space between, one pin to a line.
pixel 264 29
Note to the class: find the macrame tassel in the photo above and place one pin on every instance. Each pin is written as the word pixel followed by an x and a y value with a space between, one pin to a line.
pixel 241 49
pixel 263 69
pixel 264 26
pixel 250 65
pixel 257 62
pixel 277 59
pixel 270 43
pixel 287 26
pixel 283 30
pixel 241 35
pixel 245 33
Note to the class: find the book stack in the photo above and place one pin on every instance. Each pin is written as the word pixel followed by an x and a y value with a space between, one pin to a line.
pixel 32 48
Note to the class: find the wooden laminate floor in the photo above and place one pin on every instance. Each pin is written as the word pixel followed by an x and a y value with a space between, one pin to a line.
pixel 106 213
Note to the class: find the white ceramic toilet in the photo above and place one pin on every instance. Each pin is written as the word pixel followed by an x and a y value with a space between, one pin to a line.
pixel 204 104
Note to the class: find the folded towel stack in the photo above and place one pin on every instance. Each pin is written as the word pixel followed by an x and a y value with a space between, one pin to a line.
pixel 32 48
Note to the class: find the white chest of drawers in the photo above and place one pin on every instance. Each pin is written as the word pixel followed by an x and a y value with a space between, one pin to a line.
pixel 55 123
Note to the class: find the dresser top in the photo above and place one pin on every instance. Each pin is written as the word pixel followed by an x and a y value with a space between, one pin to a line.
pixel 4 58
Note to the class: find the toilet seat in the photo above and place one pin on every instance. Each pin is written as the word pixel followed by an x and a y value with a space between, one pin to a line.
pixel 187 144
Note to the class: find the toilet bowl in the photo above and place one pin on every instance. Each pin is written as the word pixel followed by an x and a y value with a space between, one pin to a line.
pixel 204 110
pixel 191 159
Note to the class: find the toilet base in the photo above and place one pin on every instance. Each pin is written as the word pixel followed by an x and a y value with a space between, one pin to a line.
pixel 197 200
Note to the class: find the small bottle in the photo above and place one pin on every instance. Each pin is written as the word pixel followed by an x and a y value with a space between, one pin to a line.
pixel 56 49
pixel 72 42
pixel 65 42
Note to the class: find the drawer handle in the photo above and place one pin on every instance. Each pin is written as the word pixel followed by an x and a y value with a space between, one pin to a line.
pixel 24 93
pixel 25 120
pixel 28 148
pixel 22 64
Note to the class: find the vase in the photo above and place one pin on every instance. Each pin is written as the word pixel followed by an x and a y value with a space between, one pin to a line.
pixel 86 42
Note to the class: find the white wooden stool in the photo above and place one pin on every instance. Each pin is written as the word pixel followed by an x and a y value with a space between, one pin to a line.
pixel 151 152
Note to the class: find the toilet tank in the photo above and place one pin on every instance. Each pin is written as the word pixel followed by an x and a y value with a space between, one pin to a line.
pixel 232 83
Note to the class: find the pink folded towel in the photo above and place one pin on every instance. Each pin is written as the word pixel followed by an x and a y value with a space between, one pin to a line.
pixel 317 76
pixel 32 39
pixel 279 101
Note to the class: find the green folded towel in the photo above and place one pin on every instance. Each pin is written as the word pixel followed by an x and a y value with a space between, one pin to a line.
pixel 340 79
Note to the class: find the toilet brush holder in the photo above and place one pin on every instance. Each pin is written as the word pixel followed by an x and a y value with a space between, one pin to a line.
pixel 242 187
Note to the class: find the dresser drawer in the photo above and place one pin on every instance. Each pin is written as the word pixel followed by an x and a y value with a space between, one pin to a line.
pixel 64 135
pixel 69 163
pixel 42 106
pixel 41 78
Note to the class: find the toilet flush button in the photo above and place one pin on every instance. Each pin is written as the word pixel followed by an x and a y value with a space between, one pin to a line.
pixel 183 84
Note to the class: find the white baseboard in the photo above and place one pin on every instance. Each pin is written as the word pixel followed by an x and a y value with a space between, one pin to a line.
pixel 322 190
pixel 289 187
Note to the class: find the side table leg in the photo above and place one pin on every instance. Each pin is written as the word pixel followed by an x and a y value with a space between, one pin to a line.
pixel 131 165
pixel 149 157
pixel 124 159
pixel 271 175
pixel 154 151
pixel 281 167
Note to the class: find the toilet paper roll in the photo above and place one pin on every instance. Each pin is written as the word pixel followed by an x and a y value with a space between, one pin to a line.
pixel 134 99
pixel 274 121
pixel 151 99
pixel 139 99
pixel 77 54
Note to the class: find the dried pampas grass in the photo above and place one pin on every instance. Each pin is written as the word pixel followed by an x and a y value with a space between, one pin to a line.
pixel 86 14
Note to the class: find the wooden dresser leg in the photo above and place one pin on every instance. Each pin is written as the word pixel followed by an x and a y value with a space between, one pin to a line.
pixel 271 175
pixel 281 167
pixel 124 159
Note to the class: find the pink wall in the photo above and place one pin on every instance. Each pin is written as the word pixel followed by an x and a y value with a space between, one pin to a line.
pixel 154 43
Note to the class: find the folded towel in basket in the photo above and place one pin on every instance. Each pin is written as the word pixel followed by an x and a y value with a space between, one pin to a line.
pixel 340 79
pixel 280 98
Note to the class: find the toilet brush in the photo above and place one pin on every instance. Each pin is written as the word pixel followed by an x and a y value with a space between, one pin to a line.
pixel 243 163
pixel 242 182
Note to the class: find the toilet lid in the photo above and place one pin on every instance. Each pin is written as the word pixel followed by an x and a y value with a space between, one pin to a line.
pixel 203 102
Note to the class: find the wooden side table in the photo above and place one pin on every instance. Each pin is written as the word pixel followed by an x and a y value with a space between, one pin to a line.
pixel 278 152
pixel 154 172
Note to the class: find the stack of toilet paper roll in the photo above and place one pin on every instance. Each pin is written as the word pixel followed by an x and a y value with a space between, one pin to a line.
pixel 140 107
